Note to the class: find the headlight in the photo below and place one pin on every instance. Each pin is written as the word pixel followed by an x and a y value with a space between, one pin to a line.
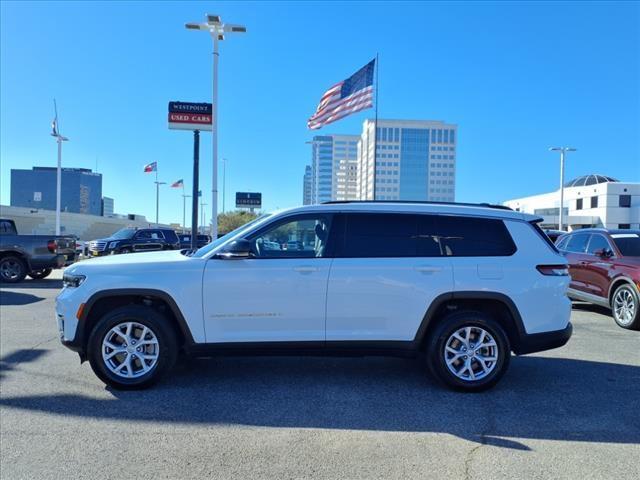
pixel 113 245
pixel 69 280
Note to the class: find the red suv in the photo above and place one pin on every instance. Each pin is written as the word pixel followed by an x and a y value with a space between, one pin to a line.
pixel 605 269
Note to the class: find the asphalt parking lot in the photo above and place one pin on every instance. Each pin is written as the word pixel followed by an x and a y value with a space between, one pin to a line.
pixel 569 413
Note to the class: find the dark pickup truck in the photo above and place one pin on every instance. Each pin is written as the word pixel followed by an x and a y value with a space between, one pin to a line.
pixel 33 255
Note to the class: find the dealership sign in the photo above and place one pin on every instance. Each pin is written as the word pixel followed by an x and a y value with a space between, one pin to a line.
pixel 190 116
pixel 248 200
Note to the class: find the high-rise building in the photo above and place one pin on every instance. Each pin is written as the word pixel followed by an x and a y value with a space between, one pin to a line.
pixel 81 189
pixel 416 160
pixel 107 206
pixel 307 186
pixel 334 168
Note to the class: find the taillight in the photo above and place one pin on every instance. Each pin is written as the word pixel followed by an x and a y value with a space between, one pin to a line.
pixel 553 270
pixel 52 246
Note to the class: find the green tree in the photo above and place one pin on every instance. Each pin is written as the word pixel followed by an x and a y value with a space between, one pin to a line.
pixel 229 221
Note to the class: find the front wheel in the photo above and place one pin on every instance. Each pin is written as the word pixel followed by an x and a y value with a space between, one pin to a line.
pixel 40 274
pixel 624 307
pixel 468 351
pixel 132 347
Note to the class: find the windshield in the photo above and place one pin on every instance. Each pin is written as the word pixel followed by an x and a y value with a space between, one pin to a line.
pixel 215 244
pixel 124 233
pixel 627 243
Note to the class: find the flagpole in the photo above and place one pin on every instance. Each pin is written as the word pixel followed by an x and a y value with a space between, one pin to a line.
pixel 375 135
pixel 157 195
pixel 184 209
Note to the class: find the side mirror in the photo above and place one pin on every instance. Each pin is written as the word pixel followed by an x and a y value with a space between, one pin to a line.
pixel 240 248
pixel 603 253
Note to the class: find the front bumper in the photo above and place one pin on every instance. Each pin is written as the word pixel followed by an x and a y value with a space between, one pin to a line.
pixel 539 342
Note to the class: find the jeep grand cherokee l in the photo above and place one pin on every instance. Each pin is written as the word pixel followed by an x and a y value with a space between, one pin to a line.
pixel 462 286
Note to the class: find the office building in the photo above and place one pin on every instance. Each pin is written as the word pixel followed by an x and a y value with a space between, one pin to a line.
pixel 107 207
pixel 307 186
pixel 416 160
pixel 589 201
pixel 81 189
pixel 334 173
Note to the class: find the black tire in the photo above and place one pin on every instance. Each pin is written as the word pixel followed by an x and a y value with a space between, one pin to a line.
pixel 13 269
pixel 444 331
pixel 125 250
pixel 626 293
pixel 146 316
pixel 40 274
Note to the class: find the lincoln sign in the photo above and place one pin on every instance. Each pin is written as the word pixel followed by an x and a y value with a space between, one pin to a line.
pixel 190 116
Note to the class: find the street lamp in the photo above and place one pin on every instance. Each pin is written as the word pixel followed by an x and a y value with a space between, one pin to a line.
pixel 59 138
pixel 562 151
pixel 218 30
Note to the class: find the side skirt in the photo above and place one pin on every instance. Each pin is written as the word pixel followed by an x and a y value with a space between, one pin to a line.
pixel 401 349
pixel 587 297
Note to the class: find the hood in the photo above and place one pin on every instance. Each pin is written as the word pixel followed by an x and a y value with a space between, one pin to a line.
pixel 129 260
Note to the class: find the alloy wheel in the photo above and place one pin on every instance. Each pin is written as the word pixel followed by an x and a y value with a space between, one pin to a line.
pixel 624 306
pixel 471 353
pixel 130 350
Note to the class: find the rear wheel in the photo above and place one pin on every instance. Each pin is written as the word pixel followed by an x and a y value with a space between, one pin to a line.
pixel 12 269
pixel 39 274
pixel 468 351
pixel 125 250
pixel 132 347
pixel 624 307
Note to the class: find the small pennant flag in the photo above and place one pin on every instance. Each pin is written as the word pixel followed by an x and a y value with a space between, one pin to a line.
pixel 178 184
pixel 152 167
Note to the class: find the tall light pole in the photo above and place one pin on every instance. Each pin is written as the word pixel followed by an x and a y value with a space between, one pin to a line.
pixel 59 138
pixel 562 151
pixel 202 205
pixel 158 197
pixel 224 182
pixel 184 209
pixel 217 30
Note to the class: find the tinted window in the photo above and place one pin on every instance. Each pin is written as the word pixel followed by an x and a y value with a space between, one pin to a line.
pixel 562 242
pixel 474 237
pixel 628 244
pixel 597 242
pixel 171 236
pixel 578 243
pixel 594 202
pixel 379 235
pixel 579 204
pixel 624 201
pixel 7 227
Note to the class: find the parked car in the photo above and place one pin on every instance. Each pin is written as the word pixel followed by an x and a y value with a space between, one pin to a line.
pixel 462 285
pixel 185 240
pixel 128 240
pixel 32 255
pixel 605 269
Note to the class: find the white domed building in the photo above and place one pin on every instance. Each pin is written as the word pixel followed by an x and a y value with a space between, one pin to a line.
pixel 589 201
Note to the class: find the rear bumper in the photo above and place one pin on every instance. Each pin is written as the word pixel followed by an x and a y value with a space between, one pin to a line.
pixel 539 342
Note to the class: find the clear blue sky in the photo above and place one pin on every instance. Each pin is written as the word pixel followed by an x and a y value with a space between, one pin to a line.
pixel 516 77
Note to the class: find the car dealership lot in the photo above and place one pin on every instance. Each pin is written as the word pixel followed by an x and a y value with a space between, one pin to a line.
pixel 567 413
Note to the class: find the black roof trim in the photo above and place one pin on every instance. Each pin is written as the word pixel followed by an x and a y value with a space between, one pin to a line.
pixel 419 202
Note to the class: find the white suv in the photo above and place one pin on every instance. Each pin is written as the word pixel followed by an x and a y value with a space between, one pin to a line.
pixel 462 285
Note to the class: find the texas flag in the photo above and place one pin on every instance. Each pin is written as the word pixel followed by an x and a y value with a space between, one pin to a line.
pixel 152 167
pixel 178 184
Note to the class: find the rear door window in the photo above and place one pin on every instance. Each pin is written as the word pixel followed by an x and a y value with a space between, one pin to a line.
pixel 381 235
pixel 578 243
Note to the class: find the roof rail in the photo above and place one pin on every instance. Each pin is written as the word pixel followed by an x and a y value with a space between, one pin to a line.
pixel 421 202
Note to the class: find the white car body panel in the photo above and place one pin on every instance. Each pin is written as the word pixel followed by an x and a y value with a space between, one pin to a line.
pixel 261 300
pixel 383 298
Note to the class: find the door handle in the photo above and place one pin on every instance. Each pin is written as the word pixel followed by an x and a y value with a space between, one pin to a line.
pixel 305 269
pixel 428 269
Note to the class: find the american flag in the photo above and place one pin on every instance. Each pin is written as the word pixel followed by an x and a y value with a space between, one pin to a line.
pixel 344 98
pixel 151 167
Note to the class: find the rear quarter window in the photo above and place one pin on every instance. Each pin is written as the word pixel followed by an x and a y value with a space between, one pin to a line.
pixel 462 236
